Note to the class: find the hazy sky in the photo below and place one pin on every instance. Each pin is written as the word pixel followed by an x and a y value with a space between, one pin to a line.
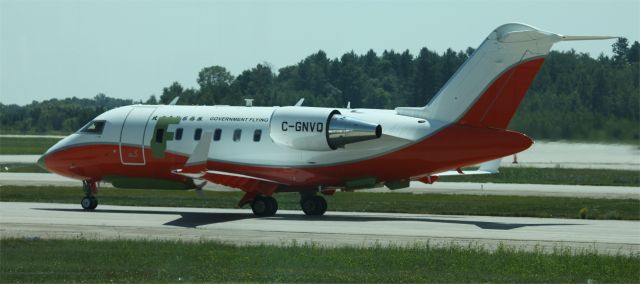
pixel 132 49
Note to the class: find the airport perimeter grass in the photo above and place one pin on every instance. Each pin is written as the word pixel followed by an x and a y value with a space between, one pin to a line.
pixel 25 146
pixel 55 261
pixel 518 206
pixel 599 177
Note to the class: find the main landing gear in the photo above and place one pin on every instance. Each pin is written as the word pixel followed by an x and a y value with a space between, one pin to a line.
pixel 264 206
pixel 311 204
pixel 90 188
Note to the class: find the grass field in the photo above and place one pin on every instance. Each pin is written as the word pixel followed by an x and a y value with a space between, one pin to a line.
pixel 556 207
pixel 22 146
pixel 555 176
pixel 154 261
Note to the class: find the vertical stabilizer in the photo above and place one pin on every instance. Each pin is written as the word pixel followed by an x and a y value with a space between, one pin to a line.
pixel 488 88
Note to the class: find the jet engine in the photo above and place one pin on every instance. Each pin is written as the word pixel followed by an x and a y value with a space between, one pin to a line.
pixel 318 129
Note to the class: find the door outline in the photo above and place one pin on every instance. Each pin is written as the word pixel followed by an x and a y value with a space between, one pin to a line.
pixel 144 133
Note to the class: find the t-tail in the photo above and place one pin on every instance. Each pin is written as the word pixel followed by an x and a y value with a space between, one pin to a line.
pixel 488 88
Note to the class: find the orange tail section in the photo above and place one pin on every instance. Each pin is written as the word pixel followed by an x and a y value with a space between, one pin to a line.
pixel 497 105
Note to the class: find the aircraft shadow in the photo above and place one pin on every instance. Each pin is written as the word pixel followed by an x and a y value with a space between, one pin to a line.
pixel 195 219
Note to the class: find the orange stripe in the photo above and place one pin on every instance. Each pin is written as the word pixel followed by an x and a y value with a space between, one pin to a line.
pixel 498 104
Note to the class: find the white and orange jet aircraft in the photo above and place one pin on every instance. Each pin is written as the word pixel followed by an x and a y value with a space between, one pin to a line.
pixel 311 150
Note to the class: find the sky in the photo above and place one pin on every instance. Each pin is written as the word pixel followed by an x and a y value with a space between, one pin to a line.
pixel 133 49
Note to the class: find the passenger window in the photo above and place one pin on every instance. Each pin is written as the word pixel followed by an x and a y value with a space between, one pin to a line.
pixel 94 127
pixel 159 135
pixel 197 134
pixel 178 134
pixel 256 135
pixel 237 134
pixel 216 134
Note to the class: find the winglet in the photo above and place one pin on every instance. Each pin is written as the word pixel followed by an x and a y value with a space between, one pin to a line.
pixel 174 101
pixel 299 103
pixel 490 167
pixel 201 151
pixel 486 168
pixel 196 165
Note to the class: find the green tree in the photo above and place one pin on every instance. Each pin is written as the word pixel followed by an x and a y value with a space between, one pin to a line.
pixel 620 50
pixel 171 92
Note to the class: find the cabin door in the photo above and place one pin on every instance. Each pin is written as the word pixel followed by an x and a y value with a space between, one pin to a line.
pixel 132 136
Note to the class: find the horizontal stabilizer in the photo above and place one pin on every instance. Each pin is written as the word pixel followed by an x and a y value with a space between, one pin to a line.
pixel 570 38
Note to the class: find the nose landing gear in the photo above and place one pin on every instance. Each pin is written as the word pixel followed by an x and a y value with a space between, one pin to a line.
pixel 90 188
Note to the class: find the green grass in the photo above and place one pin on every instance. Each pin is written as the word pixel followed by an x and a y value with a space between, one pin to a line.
pixel 555 176
pixel 548 207
pixel 23 146
pixel 156 261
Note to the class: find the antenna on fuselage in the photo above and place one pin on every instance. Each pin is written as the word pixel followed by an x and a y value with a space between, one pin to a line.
pixel 349 105
pixel 174 101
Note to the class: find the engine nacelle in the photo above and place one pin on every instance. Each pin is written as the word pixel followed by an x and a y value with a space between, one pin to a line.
pixel 318 129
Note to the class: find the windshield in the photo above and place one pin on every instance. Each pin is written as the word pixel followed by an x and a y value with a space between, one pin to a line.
pixel 93 127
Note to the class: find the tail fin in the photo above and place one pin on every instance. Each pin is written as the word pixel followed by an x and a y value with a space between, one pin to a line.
pixel 488 88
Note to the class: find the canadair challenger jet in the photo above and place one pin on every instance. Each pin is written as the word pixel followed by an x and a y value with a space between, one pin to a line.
pixel 311 150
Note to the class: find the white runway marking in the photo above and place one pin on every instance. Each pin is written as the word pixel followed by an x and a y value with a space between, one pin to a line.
pixel 238 226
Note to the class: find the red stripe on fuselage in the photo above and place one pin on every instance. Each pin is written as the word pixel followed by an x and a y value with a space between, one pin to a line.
pixel 499 102
pixel 452 147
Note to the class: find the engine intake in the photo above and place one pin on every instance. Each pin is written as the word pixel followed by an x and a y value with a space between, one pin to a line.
pixel 319 129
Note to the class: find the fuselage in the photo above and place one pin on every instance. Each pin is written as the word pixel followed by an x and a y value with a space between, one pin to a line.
pixel 149 142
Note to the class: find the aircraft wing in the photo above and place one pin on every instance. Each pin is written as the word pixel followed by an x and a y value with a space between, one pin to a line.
pixel 196 168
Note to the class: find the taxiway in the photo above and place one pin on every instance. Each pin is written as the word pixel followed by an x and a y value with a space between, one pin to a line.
pixel 239 226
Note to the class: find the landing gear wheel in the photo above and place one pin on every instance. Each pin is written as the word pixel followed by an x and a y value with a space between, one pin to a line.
pixel 313 205
pixel 264 206
pixel 89 203
pixel 90 188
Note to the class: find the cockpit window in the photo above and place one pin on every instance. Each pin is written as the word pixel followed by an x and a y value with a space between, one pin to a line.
pixel 94 127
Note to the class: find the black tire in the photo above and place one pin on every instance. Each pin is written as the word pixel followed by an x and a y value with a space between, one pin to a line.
pixel 88 203
pixel 273 205
pixel 322 205
pixel 314 205
pixel 264 206
pixel 94 203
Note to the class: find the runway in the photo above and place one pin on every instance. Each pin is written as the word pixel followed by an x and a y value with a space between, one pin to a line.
pixel 583 191
pixel 239 226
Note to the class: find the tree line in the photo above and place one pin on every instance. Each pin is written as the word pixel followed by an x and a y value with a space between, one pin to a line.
pixel 574 96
